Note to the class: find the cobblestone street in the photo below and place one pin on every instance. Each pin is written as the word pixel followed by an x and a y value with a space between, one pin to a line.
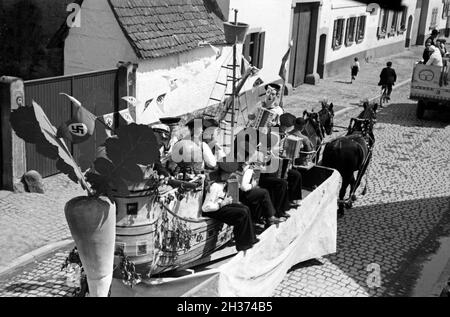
pixel 405 210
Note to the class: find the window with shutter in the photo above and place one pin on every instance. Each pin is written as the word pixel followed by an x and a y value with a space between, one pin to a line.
pixel 434 14
pixel 253 48
pixel 360 29
pixel 338 33
pixel 350 31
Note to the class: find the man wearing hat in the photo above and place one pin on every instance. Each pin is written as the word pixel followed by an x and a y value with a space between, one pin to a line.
pixel 218 205
pixel 211 136
pixel 433 36
pixel 196 127
pixel 272 104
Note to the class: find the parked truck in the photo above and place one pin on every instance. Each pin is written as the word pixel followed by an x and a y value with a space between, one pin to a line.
pixel 430 87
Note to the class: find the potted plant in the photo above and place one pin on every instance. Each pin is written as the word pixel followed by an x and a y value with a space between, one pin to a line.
pixel 121 162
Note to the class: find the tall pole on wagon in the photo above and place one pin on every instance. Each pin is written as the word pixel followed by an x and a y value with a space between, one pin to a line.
pixel 234 78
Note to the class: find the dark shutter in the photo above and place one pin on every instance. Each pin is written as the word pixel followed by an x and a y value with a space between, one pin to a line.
pixel 261 41
pixel 333 43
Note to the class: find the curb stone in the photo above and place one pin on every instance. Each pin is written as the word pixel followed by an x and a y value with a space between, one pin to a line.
pixel 33 256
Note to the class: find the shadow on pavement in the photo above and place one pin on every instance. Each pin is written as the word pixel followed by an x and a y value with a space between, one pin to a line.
pixel 343 82
pixel 309 263
pixel 396 113
pixel 396 236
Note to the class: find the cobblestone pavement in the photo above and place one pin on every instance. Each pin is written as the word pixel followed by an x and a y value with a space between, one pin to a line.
pixel 30 221
pixel 343 94
pixel 405 210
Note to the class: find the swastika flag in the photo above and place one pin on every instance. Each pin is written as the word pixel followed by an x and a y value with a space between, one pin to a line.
pixel 82 125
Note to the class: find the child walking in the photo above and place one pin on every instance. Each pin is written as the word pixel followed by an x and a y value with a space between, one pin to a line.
pixel 355 69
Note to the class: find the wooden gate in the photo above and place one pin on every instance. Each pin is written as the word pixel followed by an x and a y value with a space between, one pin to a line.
pixel 301 34
pixel 97 91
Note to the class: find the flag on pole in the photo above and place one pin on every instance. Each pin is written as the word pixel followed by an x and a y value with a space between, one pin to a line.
pixel 132 105
pixel 283 69
pixel 82 125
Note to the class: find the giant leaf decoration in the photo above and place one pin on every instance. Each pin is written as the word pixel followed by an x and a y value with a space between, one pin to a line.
pixel 33 126
pixel 121 160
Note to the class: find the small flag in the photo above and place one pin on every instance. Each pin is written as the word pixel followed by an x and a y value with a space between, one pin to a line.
pixel 160 102
pixel 147 104
pixel 82 125
pixel 283 70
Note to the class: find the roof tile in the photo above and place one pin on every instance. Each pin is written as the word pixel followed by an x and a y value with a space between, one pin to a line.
pixel 157 28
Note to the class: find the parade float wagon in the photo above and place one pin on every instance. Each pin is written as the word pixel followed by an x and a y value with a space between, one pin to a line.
pixel 140 235
pixel 429 86
pixel 208 264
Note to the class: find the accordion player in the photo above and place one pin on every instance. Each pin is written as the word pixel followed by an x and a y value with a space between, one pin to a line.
pixel 292 147
pixel 263 118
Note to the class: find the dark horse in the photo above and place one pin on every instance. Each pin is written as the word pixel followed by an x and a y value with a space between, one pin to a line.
pixel 319 124
pixel 352 152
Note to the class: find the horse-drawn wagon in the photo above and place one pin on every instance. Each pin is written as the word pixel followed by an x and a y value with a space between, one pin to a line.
pixel 429 86
pixel 210 264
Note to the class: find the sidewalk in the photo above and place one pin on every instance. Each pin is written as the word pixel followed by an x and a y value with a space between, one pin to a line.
pixel 342 94
pixel 30 221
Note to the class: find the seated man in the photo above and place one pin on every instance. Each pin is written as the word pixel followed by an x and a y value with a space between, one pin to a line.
pixel 219 206
pixel 271 103
pixel 211 136
pixel 308 147
pixel 193 149
pixel 256 198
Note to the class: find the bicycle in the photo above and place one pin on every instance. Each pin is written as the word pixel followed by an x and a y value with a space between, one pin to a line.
pixel 384 96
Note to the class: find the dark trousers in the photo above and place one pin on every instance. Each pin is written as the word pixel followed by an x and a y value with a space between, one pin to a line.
pixel 238 216
pixel 294 184
pixel 278 190
pixel 259 202
pixel 389 89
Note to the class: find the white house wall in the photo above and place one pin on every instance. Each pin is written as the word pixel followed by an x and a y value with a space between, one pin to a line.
pixel 99 43
pixel 337 60
pixel 154 77
pixel 270 16
pixel 440 22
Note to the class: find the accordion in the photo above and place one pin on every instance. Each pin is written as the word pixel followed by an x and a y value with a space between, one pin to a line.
pixel 263 117
pixel 233 188
pixel 282 165
pixel 292 146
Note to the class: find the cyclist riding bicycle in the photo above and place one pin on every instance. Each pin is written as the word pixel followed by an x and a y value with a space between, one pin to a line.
pixel 388 77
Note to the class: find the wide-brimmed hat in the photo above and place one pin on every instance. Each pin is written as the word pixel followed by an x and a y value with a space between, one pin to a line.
pixel 170 120
pixel 299 122
pixel 161 127
pixel 274 86
pixel 210 123
pixel 287 120
pixel 224 170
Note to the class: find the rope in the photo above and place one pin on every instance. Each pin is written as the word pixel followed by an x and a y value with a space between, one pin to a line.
pixel 178 217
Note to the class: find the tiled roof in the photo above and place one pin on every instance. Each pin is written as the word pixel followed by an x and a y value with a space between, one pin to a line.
pixel 157 28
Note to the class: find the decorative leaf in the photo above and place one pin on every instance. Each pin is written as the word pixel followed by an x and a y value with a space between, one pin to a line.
pixel 134 144
pixel 33 126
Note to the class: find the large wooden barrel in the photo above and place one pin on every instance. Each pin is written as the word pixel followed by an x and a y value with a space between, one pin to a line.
pixel 140 221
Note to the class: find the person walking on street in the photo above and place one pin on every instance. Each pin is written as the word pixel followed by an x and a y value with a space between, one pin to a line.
pixel 355 69
pixel 388 77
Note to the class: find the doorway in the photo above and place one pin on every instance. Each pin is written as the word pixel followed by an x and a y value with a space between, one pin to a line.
pixel 301 36
pixel 321 58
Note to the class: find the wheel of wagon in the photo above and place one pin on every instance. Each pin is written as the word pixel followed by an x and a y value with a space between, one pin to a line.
pixel 420 109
